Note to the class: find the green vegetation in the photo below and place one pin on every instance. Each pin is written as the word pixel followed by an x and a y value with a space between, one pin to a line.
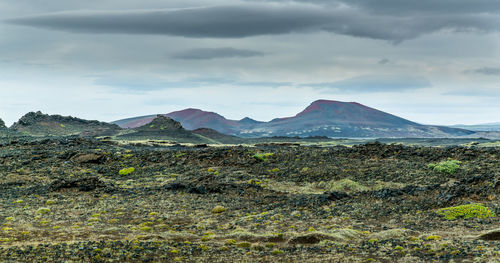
pixel 277 252
pixel 263 156
pixel 433 237
pixel 127 171
pixel 244 245
pixel 218 209
pixel 466 211
pixel 447 167
pixel 43 210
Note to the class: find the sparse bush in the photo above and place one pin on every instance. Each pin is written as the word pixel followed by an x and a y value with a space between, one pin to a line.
pixel 466 211
pixel 446 167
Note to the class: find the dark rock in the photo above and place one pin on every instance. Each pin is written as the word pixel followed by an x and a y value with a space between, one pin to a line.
pixel 332 196
pixel 493 235
pixel 82 184
pixel 88 158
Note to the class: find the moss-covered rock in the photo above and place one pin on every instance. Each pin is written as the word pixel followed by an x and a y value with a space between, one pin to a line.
pixel 466 211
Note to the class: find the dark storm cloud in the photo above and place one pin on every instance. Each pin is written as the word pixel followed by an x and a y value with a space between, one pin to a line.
pixel 264 19
pixel 375 84
pixel 484 71
pixel 211 53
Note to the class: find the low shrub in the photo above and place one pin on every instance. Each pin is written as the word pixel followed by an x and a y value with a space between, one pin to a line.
pixel 446 167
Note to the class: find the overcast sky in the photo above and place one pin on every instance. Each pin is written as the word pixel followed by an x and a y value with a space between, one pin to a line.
pixel 430 61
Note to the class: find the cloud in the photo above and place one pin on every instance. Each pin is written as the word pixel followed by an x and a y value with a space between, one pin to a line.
pixel 383 61
pixel 261 19
pixel 369 83
pixel 484 71
pixel 139 85
pixel 402 8
pixel 212 53
pixel 398 7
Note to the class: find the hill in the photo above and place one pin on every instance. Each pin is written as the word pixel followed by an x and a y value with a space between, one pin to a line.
pixel 321 118
pixel 163 128
pixel 219 137
pixel 39 124
pixel 2 125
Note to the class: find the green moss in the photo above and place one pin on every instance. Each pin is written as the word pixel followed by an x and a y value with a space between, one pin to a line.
pixel 146 228
pixel 43 210
pixel 218 209
pixel 230 242
pixel 127 171
pixel 270 245
pixel 446 167
pixel 433 237
pixel 244 244
pixel 263 156
pixel 466 211
pixel 277 252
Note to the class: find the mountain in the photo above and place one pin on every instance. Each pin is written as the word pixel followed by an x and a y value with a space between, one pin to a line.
pixel 249 121
pixel 163 128
pixel 321 118
pixel 194 118
pixel 494 126
pixel 2 125
pixel 39 124
pixel 191 119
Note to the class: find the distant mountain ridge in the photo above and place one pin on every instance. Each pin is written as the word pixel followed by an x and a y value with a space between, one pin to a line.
pixel 494 126
pixel 321 118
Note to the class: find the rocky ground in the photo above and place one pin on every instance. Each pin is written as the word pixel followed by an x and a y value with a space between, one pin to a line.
pixel 83 200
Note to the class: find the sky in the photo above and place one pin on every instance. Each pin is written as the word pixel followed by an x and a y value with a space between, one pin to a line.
pixel 433 62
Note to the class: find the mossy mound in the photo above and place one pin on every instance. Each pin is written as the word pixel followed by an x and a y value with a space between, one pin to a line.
pixel 466 211
pixel 446 167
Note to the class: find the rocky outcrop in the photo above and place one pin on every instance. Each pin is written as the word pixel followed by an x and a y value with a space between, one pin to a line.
pixel 162 123
pixel 39 124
